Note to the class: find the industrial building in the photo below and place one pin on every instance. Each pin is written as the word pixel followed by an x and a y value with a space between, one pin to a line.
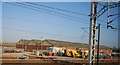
pixel 30 45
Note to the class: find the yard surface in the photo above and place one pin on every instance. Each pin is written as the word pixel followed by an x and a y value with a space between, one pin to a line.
pixel 51 61
pixel 12 59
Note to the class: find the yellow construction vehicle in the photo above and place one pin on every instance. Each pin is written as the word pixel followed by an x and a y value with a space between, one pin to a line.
pixel 86 54
pixel 67 52
pixel 76 53
pixel 83 53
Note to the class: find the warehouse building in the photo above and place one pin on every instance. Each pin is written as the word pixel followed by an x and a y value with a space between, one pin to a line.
pixel 55 45
pixel 30 45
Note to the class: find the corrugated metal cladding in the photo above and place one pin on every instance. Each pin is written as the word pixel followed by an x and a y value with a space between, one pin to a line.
pixel 30 45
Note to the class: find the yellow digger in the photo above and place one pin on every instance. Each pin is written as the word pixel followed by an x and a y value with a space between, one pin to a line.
pixel 76 53
pixel 83 53
pixel 68 52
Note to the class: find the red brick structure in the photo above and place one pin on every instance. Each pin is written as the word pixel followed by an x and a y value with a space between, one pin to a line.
pixel 30 45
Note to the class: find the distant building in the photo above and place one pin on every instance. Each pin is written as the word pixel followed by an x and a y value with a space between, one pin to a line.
pixel 30 45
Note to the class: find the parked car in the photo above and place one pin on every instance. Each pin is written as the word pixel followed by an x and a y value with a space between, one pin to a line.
pixel 23 57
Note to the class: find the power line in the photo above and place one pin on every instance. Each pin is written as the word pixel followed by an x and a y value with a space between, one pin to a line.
pixel 102 4
pixel 83 35
pixel 29 21
pixel 88 33
pixel 112 20
pixel 104 22
pixel 80 21
pixel 85 30
pixel 55 12
pixel 50 12
pixel 58 9
pixel 55 8
pixel 58 35
pixel 105 8
pixel 60 25
pixel 105 26
pixel 114 15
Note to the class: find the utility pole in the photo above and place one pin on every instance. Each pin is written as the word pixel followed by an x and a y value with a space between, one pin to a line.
pixel 98 46
pixel 92 36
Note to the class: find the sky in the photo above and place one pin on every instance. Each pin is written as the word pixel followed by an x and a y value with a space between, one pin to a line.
pixel 21 22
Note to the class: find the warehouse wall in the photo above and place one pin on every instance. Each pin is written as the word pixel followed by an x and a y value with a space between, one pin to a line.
pixel 31 47
pixel 34 46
